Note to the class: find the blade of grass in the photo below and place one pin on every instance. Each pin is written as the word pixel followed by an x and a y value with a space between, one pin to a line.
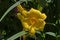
pixel 51 24
pixel 58 36
pixel 38 32
pixel 51 33
pixel 9 9
pixel 17 35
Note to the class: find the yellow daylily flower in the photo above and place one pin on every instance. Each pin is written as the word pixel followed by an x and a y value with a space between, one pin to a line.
pixel 32 20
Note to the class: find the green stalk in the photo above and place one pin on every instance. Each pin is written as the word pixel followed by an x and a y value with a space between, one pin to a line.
pixel 17 35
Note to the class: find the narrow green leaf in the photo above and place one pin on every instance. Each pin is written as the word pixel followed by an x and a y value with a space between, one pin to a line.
pixel 9 9
pixel 51 33
pixel 59 21
pixel 56 21
pixel 38 32
pixel 52 24
pixel 58 36
pixel 17 35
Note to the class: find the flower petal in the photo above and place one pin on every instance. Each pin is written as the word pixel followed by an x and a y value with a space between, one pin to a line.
pixel 43 16
pixel 20 16
pixel 24 13
pixel 20 8
pixel 32 31
pixel 25 26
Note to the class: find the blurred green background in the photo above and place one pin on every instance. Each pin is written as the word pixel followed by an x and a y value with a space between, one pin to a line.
pixel 10 25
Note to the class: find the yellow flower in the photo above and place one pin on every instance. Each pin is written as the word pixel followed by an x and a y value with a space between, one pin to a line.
pixel 32 20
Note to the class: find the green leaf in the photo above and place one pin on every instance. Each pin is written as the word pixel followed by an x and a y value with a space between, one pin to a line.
pixel 51 33
pixel 58 21
pixel 17 35
pixel 52 24
pixel 9 9
pixel 39 7
pixel 58 36
pixel 38 32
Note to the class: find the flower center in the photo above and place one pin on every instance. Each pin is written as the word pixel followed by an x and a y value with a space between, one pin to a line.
pixel 33 20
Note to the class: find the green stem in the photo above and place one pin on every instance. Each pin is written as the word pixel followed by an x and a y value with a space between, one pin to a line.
pixel 17 35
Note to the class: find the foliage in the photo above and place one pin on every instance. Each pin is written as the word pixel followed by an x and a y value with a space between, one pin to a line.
pixel 11 27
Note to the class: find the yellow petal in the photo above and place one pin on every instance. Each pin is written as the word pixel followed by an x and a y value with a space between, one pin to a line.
pixel 42 25
pixel 41 28
pixel 41 22
pixel 20 17
pixel 20 8
pixel 34 11
pixel 25 26
pixel 43 16
pixel 36 28
pixel 24 13
pixel 32 31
